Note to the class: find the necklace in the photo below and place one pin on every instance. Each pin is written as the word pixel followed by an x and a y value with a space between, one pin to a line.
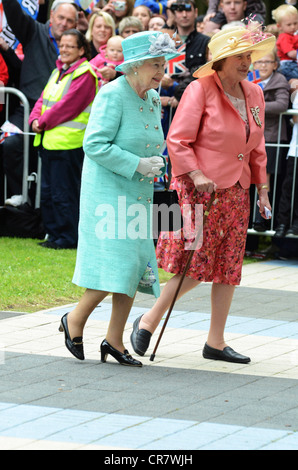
pixel 134 89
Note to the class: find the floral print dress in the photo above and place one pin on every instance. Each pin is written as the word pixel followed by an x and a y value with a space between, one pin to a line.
pixel 219 254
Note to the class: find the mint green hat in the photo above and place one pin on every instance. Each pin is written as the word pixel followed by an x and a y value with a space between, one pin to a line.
pixel 147 45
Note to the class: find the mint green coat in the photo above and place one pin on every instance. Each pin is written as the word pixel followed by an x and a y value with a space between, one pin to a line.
pixel 115 234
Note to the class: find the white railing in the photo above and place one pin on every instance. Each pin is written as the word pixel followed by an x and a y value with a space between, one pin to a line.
pixel 273 192
pixel 6 92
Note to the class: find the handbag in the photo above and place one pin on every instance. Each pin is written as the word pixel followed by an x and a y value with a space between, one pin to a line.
pixel 167 215
pixel 21 222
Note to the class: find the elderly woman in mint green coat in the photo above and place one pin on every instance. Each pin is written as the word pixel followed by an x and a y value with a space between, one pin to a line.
pixel 122 144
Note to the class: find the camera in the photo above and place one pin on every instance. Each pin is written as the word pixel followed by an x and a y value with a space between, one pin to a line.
pixel 180 7
pixel 119 5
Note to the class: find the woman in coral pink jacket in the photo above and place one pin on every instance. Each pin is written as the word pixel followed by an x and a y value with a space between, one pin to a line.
pixel 215 143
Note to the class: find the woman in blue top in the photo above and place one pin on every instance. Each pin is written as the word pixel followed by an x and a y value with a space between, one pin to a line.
pixel 123 144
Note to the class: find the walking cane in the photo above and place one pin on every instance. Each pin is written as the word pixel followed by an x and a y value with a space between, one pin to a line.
pixel 206 213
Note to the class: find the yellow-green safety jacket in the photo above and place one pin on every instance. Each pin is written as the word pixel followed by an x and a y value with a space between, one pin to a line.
pixel 68 135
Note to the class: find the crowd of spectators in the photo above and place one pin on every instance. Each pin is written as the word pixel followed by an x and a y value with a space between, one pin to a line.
pixel 29 66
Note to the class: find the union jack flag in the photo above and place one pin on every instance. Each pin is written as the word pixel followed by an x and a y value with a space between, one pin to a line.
pixel 7 129
pixel 164 178
pixel 31 7
pixel 177 65
pixel 254 77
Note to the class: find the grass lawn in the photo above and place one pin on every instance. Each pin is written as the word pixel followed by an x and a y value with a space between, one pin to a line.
pixel 33 278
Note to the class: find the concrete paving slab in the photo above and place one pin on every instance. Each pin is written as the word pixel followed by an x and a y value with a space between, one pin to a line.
pixel 50 401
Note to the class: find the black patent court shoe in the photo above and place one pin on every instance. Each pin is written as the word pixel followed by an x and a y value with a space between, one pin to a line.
pixel 125 359
pixel 75 345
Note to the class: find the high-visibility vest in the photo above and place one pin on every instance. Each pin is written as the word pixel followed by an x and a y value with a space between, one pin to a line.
pixel 68 135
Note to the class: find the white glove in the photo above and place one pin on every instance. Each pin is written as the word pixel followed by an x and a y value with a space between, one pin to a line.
pixel 150 167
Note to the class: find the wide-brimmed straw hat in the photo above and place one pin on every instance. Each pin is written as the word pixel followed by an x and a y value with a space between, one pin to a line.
pixel 237 40
pixel 147 45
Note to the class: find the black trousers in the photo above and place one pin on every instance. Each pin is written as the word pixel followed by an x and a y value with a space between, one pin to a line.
pixel 12 150
pixel 284 208
pixel 60 194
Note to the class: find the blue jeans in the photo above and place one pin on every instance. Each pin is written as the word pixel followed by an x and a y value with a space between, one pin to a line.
pixel 289 69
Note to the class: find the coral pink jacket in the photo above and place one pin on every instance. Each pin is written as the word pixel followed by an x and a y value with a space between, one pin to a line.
pixel 208 134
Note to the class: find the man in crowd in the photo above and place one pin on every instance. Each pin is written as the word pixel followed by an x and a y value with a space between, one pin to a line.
pixel 194 44
pixel 40 44
pixel 234 10
pixel 221 12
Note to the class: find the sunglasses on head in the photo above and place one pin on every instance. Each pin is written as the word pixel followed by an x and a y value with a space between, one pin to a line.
pixel 181 7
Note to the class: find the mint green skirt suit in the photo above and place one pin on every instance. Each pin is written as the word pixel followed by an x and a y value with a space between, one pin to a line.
pixel 115 233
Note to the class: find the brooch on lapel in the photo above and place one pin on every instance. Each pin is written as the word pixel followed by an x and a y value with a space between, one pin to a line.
pixel 255 112
pixel 155 101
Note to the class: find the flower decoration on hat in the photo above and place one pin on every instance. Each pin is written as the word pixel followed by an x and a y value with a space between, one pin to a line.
pixel 162 44
pixel 232 42
pixel 254 31
pixel 237 40
pixel 252 34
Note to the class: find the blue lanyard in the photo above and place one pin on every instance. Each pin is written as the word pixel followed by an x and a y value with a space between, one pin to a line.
pixel 54 41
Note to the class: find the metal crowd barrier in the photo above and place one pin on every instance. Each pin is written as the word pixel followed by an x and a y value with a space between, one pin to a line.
pixel 279 145
pixel 271 232
pixel 27 179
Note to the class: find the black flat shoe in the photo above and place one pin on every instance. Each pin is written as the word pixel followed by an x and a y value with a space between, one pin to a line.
pixel 228 355
pixel 293 231
pixel 280 231
pixel 260 226
pixel 125 359
pixel 51 245
pixel 75 345
pixel 140 339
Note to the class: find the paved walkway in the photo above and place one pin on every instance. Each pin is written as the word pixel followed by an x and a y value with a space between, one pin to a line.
pixel 49 400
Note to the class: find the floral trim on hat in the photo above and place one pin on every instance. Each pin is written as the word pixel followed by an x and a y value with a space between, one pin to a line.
pixel 252 34
pixel 162 44
pixel 255 31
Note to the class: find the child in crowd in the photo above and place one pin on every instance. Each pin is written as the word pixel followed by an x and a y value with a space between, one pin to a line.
pixel 286 17
pixel 130 25
pixel 144 14
pixel 276 90
pixel 110 55
pixel 156 23
pixel 272 29
pixel 200 24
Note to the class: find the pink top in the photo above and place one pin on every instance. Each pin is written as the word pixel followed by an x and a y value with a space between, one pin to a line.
pixel 80 94
pixel 208 134
pixel 99 61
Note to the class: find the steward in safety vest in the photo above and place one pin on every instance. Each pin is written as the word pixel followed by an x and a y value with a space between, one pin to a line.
pixel 59 118
pixel 60 131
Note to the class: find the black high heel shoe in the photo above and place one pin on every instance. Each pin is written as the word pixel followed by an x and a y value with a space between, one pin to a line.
pixel 125 359
pixel 75 345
